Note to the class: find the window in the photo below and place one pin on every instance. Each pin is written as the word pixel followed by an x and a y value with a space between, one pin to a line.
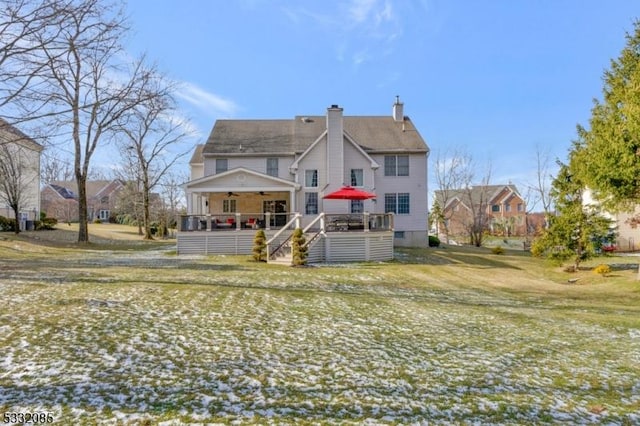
pixel 222 165
pixel 357 177
pixel 311 203
pixel 228 206
pixel 520 207
pixel 398 234
pixel 396 165
pixel 403 203
pixel 507 207
pixel 272 166
pixel 397 203
pixel 311 179
pixel 357 206
pixel 104 215
pixel 495 208
pixel 403 165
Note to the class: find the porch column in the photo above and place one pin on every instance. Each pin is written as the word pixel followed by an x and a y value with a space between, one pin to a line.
pixel 365 221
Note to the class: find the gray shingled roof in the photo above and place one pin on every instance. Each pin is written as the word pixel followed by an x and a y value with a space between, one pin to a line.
pixel 373 134
pixel 479 193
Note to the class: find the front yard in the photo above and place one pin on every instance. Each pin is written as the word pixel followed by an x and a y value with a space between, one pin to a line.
pixel 138 335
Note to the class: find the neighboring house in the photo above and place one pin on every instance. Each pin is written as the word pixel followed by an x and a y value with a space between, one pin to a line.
pixel 60 200
pixel 626 224
pixel 281 167
pixel 502 207
pixel 24 155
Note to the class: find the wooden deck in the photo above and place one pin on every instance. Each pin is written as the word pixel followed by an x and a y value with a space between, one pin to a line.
pixel 346 246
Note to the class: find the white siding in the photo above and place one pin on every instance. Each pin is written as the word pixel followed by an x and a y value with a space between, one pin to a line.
pixel 415 184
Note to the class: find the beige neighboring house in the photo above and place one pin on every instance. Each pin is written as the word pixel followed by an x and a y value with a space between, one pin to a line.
pixel 628 232
pixel 26 152
pixel 273 169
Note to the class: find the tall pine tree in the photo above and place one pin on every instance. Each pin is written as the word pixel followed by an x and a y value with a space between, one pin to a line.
pixel 577 230
pixel 608 151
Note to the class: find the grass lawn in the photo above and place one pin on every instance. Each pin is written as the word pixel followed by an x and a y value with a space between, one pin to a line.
pixel 122 332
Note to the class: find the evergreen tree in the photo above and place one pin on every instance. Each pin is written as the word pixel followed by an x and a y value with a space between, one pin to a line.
pixel 608 152
pixel 576 231
pixel 260 246
pixel 299 250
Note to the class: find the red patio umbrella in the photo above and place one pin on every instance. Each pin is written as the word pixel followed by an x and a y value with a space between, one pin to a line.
pixel 349 193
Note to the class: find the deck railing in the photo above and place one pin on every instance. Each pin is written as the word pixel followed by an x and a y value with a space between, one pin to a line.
pixel 232 221
pixel 357 222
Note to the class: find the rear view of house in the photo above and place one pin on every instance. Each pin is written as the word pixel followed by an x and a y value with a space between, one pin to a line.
pixel 268 171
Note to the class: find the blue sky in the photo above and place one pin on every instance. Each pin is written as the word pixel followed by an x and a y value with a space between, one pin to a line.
pixel 497 77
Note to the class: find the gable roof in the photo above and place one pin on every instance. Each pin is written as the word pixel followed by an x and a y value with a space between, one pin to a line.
pixel 290 137
pixel 9 133
pixel 63 192
pixel 94 187
pixel 479 194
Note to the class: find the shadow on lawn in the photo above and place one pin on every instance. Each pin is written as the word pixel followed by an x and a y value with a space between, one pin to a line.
pixel 479 257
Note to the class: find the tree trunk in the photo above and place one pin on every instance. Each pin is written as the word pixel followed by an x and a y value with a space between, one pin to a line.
pixel 145 210
pixel 83 224
pixel 17 222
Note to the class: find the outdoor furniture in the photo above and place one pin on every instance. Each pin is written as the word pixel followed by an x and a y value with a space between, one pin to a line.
pixel 251 223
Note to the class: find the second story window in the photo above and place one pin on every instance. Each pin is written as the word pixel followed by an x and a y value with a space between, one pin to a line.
pixel 272 167
pixel 222 165
pixel 311 203
pixel 311 178
pixel 357 177
pixel 396 165
pixel 495 208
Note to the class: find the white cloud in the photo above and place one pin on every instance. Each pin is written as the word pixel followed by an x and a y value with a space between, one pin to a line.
pixel 206 101
pixel 362 30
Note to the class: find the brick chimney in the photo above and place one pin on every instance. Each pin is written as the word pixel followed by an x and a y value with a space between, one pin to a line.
pixel 398 110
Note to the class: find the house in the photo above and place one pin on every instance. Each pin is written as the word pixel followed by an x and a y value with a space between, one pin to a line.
pixel 625 224
pixel 20 172
pixel 500 207
pixel 274 170
pixel 60 200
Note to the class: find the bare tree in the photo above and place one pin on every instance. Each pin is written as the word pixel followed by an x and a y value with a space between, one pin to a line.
pixel 453 172
pixel 56 168
pixel 477 200
pixel 151 135
pixel 172 201
pixel 18 171
pixel 82 83
pixel 26 27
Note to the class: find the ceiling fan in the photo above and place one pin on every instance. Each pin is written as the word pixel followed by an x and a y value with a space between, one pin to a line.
pixel 263 193
pixel 231 194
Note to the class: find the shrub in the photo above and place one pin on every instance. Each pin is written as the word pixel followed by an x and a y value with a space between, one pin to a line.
pixel 46 223
pixel 7 224
pixel 97 220
pixel 298 248
pixel 602 270
pixel 260 246
pixel 434 241
pixel 497 250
